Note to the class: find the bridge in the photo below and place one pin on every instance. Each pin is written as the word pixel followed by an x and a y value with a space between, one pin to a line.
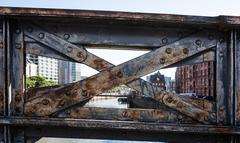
pixel 173 40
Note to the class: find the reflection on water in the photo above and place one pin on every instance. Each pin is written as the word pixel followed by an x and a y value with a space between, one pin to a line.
pixel 106 102
pixel 58 140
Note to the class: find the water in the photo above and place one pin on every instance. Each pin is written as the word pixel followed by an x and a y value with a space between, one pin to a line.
pixel 106 102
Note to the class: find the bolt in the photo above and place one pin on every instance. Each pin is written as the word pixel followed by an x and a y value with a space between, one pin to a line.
pixel 198 42
pixel 221 54
pixel 18 45
pixel 169 99
pixel 66 36
pixel 164 40
pixel 213 116
pixel 221 40
pixel 168 50
pixel 45 102
pixel 210 37
pixel 17 31
pixel 69 49
pixel 185 50
pixel 80 55
pixel 162 61
pixel 41 35
pixel 30 29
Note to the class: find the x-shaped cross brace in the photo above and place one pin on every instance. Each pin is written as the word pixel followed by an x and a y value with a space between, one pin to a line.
pixel 49 100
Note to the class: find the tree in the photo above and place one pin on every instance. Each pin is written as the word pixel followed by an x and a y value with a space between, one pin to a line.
pixel 38 81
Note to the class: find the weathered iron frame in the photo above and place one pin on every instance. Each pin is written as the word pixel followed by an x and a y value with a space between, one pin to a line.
pixel 20 126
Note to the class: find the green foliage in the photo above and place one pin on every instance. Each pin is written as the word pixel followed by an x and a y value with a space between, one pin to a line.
pixel 38 81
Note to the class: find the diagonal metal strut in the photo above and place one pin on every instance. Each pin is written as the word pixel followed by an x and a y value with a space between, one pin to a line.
pixel 123 73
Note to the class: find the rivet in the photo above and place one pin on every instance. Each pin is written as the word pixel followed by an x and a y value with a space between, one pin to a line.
pixel 210 37
pixel 84 93
pixel 69 49
pixel 168 50
pixel 185 50
pixel 179 105
pixel 221 54
pixel 169 99
pixel 162 61
pixel 221 40
pixel 68 93
pixel 80 55
pixel 18 45
pixel 41 35
pixel 66 36
pixel 213 115
pixel 29 29
pixel 164 40
pixel 17 31
pixel 198 42
pixel 45 102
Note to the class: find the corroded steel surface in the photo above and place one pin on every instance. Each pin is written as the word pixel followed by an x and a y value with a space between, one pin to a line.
pixel 172 40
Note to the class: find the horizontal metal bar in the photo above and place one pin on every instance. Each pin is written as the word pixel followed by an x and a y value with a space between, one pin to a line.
pixel 143 115
pixel 126 125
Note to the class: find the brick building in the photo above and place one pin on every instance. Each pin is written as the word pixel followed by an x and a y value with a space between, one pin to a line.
pixel 157 79
pixel 196 78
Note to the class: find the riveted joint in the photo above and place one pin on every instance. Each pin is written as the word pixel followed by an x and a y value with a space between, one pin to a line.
pixel 41 35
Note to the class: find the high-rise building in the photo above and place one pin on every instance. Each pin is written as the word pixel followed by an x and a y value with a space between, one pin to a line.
pixel 46 67
pixel 31 68
pixel 69 72
pixel 196 78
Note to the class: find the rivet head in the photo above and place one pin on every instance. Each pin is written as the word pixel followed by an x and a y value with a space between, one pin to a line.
pixel 169 99
pixel 66 36
pixel 45 102
pixel 17 31
pixel 164 40
pixel 162 60
pixel 185 51
pixel 84 93
pixel 198 42
pixel 41 35
pixel 69 49
pixel 18 45
pixel 29 29
pixel 80 55
pixel 168 50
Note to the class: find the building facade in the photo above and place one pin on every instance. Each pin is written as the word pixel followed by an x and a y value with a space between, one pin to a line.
pixel 157 79
pixel 46 67
pixel 197 79
pixel 69 72
pixel 31 68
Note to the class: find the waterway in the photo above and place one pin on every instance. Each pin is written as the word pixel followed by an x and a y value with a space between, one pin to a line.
pixel 106 102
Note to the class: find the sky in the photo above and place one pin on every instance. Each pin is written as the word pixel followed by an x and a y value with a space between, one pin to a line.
pixel 182 7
